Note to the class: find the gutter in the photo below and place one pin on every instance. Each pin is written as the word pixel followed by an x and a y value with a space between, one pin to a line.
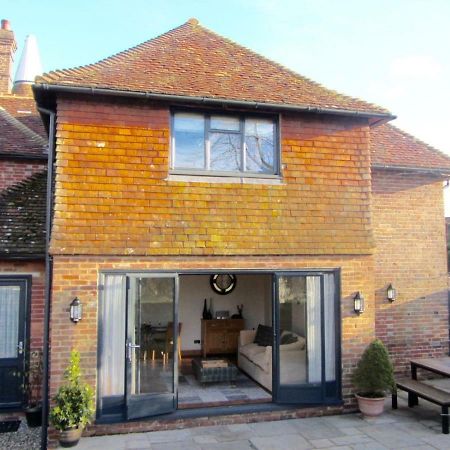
pixel 22 257
pixel 23 156
pixel 444 172
pixel 48 276
pixel 207 101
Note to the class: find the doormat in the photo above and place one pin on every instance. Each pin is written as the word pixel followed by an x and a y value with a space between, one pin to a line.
pixel 9 425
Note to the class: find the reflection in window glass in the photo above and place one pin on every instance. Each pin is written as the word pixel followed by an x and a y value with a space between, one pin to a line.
pixel 189 133
pixel 293 330
pixel 225 151
pixel 224 143
pixel 225 123
pixel 259 140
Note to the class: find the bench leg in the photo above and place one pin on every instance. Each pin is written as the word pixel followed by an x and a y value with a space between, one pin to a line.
pixel 445 419
pixel 394 400
pixel 412 399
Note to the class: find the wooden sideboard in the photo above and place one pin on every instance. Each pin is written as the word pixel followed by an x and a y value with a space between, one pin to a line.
pixel 221 335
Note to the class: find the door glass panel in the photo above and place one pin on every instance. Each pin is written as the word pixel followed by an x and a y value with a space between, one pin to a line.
pixel 9 321
pixel 293 330
pixel 151 325
pixel 330 332
pixel 112 335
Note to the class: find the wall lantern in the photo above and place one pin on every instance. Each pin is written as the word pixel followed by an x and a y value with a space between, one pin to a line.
pixel 391 293
pixel 76 310
pixel 358 303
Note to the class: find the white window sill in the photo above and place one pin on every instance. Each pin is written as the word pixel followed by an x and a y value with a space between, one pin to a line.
pixel 273 180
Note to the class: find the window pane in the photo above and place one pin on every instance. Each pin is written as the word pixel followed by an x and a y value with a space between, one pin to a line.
pixel 189 133
pixel 260 148
pixel 225 151
pixel 9 320
pixel 225 123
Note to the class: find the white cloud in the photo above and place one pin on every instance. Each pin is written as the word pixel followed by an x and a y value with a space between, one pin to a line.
pixel 420 67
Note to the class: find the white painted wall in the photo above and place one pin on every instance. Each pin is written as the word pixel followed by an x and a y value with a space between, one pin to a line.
pixel 253 291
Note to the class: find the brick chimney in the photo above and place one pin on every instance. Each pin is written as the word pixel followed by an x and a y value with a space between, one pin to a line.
pixel 8 48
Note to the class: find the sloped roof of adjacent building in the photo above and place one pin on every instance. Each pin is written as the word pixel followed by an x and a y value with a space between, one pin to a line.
pixel 21 130
pixel 191 60
pixel 22 222
pixel 394 148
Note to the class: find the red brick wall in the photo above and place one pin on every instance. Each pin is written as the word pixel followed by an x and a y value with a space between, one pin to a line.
pixel 78 276
pixel 113 196
pixel 12 172
pixel 37 270
pixel 409 229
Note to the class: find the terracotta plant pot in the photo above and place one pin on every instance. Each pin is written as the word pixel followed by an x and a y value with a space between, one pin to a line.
pixel 370 406
pixel 70 437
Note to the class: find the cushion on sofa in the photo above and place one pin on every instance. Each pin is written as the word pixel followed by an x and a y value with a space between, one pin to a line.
pixel 288 338
pixel 292 341
pixel 264 335
pixel 250 350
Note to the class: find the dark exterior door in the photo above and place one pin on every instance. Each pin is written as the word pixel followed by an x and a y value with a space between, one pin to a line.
pixel 13 306
pixel 151 345
pixel 306 353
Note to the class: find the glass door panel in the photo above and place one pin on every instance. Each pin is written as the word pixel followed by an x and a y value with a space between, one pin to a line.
pixel 12 341
pixel 150 345
pixel 112 324
pixel 305 338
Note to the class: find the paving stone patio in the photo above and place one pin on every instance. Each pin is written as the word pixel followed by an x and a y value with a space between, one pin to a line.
pixel 405 428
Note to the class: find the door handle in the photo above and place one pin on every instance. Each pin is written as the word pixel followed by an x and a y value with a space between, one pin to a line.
pixel 130 347
pixel 20 347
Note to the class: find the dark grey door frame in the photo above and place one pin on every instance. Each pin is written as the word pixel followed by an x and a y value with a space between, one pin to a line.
pixel 152 404
pixel 298 394
pixel 20 363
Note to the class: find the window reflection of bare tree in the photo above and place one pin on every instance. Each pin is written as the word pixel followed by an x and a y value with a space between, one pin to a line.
pixel 226 150
pixel 261 152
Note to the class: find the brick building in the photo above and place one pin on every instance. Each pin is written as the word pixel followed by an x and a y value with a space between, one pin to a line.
pixel 23 160
pixel 190 168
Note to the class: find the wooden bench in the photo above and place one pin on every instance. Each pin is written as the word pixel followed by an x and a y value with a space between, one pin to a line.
pixel 417 389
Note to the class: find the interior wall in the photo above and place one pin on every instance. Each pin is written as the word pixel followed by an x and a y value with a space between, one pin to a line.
pixel 254 291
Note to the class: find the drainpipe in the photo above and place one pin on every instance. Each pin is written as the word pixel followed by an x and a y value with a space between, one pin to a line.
pixel 48 274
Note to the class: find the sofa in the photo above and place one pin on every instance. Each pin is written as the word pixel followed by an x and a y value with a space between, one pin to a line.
pixel 256 360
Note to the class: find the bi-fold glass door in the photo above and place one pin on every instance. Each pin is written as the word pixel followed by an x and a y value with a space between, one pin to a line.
pixel 138 329
pixel 306 338
pixel 137 368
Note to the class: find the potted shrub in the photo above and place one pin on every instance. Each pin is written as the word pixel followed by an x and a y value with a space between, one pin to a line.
pixel 32 390
pixel 74 404
pixel 373 378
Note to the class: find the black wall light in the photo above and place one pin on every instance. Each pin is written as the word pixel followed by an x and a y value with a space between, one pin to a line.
pixel 358 303
pixel 76 310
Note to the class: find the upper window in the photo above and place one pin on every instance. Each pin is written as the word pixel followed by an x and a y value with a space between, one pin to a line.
pixel 224 144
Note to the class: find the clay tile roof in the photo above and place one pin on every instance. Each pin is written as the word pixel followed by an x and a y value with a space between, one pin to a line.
pixel 393 147
pixel 22 221
pixel 193 61
pixel 21 130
